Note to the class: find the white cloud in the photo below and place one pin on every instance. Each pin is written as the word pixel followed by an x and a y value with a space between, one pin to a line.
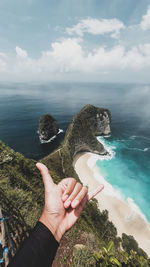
pixel 3 64
pixel 145 23
pixel 97 27
pixel 64 56
pixel 3 55
pixel 21 53
pixel 68 57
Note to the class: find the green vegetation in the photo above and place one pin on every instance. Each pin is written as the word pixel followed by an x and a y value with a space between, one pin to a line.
pixel 21 191
pixel 108 256
pixel 129 243
pixel 83 257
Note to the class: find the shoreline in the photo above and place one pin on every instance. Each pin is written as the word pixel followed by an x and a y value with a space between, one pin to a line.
pixel 123 216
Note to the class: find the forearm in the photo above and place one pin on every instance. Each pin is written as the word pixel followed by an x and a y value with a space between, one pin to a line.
pixel 37 250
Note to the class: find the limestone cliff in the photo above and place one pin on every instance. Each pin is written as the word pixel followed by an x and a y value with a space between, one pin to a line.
pixel 81 135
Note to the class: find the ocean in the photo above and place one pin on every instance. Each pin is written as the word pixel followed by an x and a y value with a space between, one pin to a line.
pixel 127 168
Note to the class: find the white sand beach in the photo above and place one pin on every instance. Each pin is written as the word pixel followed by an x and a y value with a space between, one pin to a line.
pixel 125 217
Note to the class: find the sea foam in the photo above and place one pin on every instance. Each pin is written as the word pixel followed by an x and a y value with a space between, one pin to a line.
pixel 108 188
pixel 110 149
pixel 139 149
pixel 52 138
pixel 136 210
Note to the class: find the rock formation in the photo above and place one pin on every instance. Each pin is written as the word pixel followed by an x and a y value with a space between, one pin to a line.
pixel 86 125
pixel 47 127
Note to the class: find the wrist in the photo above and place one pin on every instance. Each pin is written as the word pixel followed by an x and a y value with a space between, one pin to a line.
pixel 51 224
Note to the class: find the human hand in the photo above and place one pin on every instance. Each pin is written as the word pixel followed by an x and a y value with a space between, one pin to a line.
pixel 63 202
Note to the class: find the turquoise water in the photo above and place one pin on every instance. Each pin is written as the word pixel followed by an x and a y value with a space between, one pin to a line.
pixel 127 169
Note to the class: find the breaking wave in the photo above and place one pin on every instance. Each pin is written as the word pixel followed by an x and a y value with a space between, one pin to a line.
pixel 51 139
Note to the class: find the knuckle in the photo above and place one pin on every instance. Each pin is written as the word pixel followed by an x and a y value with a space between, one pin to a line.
pixel 85 190
pixel 82 193
pixel 73 180
pixel 79 185
pixel 75 192
pixel 71 185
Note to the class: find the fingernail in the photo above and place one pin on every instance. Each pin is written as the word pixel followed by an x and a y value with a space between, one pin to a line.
pixel 67 203
pixel 75 203
pixel 64 197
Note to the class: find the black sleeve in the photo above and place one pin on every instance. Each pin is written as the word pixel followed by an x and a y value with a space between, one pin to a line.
pixel 38 250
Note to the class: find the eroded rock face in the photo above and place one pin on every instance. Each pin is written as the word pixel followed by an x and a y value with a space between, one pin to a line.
pixel 81 135
pixel 101 122
pixel 47 127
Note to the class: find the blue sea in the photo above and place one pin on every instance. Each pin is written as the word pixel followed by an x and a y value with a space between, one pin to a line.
pixel 128 167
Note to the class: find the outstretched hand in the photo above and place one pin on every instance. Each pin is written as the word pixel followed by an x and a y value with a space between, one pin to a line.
pixel 63 202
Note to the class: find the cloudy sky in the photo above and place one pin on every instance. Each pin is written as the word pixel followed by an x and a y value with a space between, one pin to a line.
pixel 78 40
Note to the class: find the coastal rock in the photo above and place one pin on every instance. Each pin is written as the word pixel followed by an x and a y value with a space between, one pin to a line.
pixel 81 135
pixel 47 127
pixel 78 247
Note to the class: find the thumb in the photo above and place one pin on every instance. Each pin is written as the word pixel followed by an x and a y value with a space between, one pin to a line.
pixel 47 179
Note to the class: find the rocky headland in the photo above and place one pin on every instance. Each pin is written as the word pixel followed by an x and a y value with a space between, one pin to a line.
pixel 81 135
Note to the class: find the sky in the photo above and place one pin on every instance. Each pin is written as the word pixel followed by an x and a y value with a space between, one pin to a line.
pixel 75 40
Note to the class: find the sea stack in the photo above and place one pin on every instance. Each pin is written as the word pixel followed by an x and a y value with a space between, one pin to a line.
pixel 81 135
pixel 48 127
